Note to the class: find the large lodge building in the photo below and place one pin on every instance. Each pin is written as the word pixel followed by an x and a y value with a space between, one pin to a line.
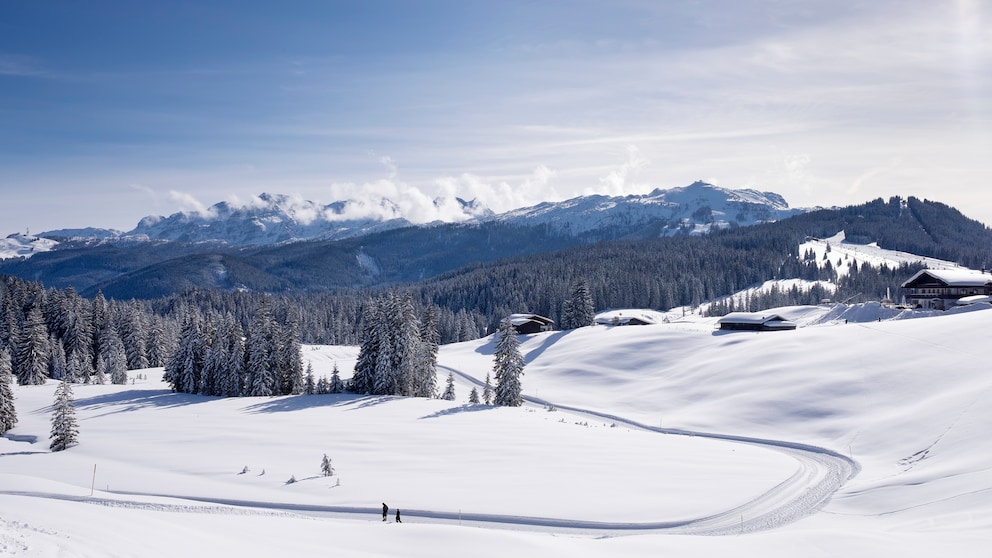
pixel 941 289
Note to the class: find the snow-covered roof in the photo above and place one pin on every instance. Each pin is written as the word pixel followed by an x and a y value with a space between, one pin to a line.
pixel 954 277
pixel 750 318
pixel 520 319
pixel 975 299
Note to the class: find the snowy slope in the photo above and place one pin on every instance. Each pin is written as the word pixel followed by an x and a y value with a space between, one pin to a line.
pixel 842 255
pixel 697 208
pixel 909 400
pixel 22 245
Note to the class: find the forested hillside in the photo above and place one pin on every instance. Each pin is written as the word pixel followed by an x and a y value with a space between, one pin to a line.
pixel 52 331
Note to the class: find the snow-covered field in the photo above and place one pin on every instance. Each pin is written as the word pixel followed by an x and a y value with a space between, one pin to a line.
pixel 24 245
pixel 636 441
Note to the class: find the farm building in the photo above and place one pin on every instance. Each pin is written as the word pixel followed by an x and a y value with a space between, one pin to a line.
pixel 754 321
pixel 620 319
pixel 530 323
pixel 941 289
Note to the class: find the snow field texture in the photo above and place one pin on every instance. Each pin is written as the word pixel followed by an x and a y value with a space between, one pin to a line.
pixel 908 400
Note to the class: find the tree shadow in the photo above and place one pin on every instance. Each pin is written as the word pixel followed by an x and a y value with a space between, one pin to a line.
pixel 22 438
pixel 489 348
pixel 467 408
pixel 299 402
pixel 135 399
pixel 550 341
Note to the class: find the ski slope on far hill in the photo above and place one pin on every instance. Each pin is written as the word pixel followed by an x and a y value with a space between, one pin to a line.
pixel 908 401
pixel 843 254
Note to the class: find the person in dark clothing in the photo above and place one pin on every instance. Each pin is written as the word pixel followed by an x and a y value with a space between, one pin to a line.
pixel 385 510
pixel 398 516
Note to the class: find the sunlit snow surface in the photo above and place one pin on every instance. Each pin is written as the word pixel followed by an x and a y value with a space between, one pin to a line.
pixel 907 399
pixel 24 246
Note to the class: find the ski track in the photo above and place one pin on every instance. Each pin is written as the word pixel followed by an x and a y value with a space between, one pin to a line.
pixel 820 473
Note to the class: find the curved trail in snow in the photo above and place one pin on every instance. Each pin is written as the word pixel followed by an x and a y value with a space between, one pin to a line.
pixel 820 473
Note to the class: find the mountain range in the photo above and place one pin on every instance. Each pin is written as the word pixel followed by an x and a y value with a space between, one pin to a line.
pixel 275 218
pixel 255 248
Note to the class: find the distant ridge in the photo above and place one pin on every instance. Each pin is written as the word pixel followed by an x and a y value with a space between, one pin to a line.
pixel 274 218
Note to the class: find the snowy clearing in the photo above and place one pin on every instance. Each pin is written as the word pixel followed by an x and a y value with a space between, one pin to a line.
pixel 592 453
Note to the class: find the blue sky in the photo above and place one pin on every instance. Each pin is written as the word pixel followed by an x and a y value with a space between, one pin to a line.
pixel 110 111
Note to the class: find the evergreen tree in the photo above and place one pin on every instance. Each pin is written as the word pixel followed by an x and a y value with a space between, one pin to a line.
pixel 56 359
pixel 508 366
pixel 385 375
pixel 233 383
pixel 134 335
pixel 113 356
pixel 323 386
pixel 77 367
pixel 368 352
pixel 214 376
pixel 156 343
pixel 261 378
pixel 99 321
pixel 8 415
pixel 426 365
pixel 31 362
pixel 578 311
pixel 289 358
pixel 325 466
pixel 487 391
pixel 335 385
pixel 65 430
pixel 473 396
pixel 100 374
pixel 309 385
pixel 185 365
pixel 449 388
pixel 78 337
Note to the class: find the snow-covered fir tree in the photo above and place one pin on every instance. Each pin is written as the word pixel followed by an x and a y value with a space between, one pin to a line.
pixel 473 396
pixel 309 383
pixel 368 351
pixel 56 359
pixel 508 366
pixel 579 310
pixel 99 321
pixel 77 367
pixel 133 330
pixel 156 342
pixel 335 385
pixel 425 383
pixel 113 356
pixel 487 391
pixel 261 374
pixel 8 414
pixel 31 358
pixel 215 366
pixel 396 356
pixel 233 381
pixel 183 369
pixel 323 386
pixel 289 358
pixel 65 429
pixel 326 468
pixel 100 374
pixel 449 388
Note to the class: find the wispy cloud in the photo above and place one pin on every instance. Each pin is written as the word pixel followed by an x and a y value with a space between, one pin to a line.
pixel 18 65
pixel 187 202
